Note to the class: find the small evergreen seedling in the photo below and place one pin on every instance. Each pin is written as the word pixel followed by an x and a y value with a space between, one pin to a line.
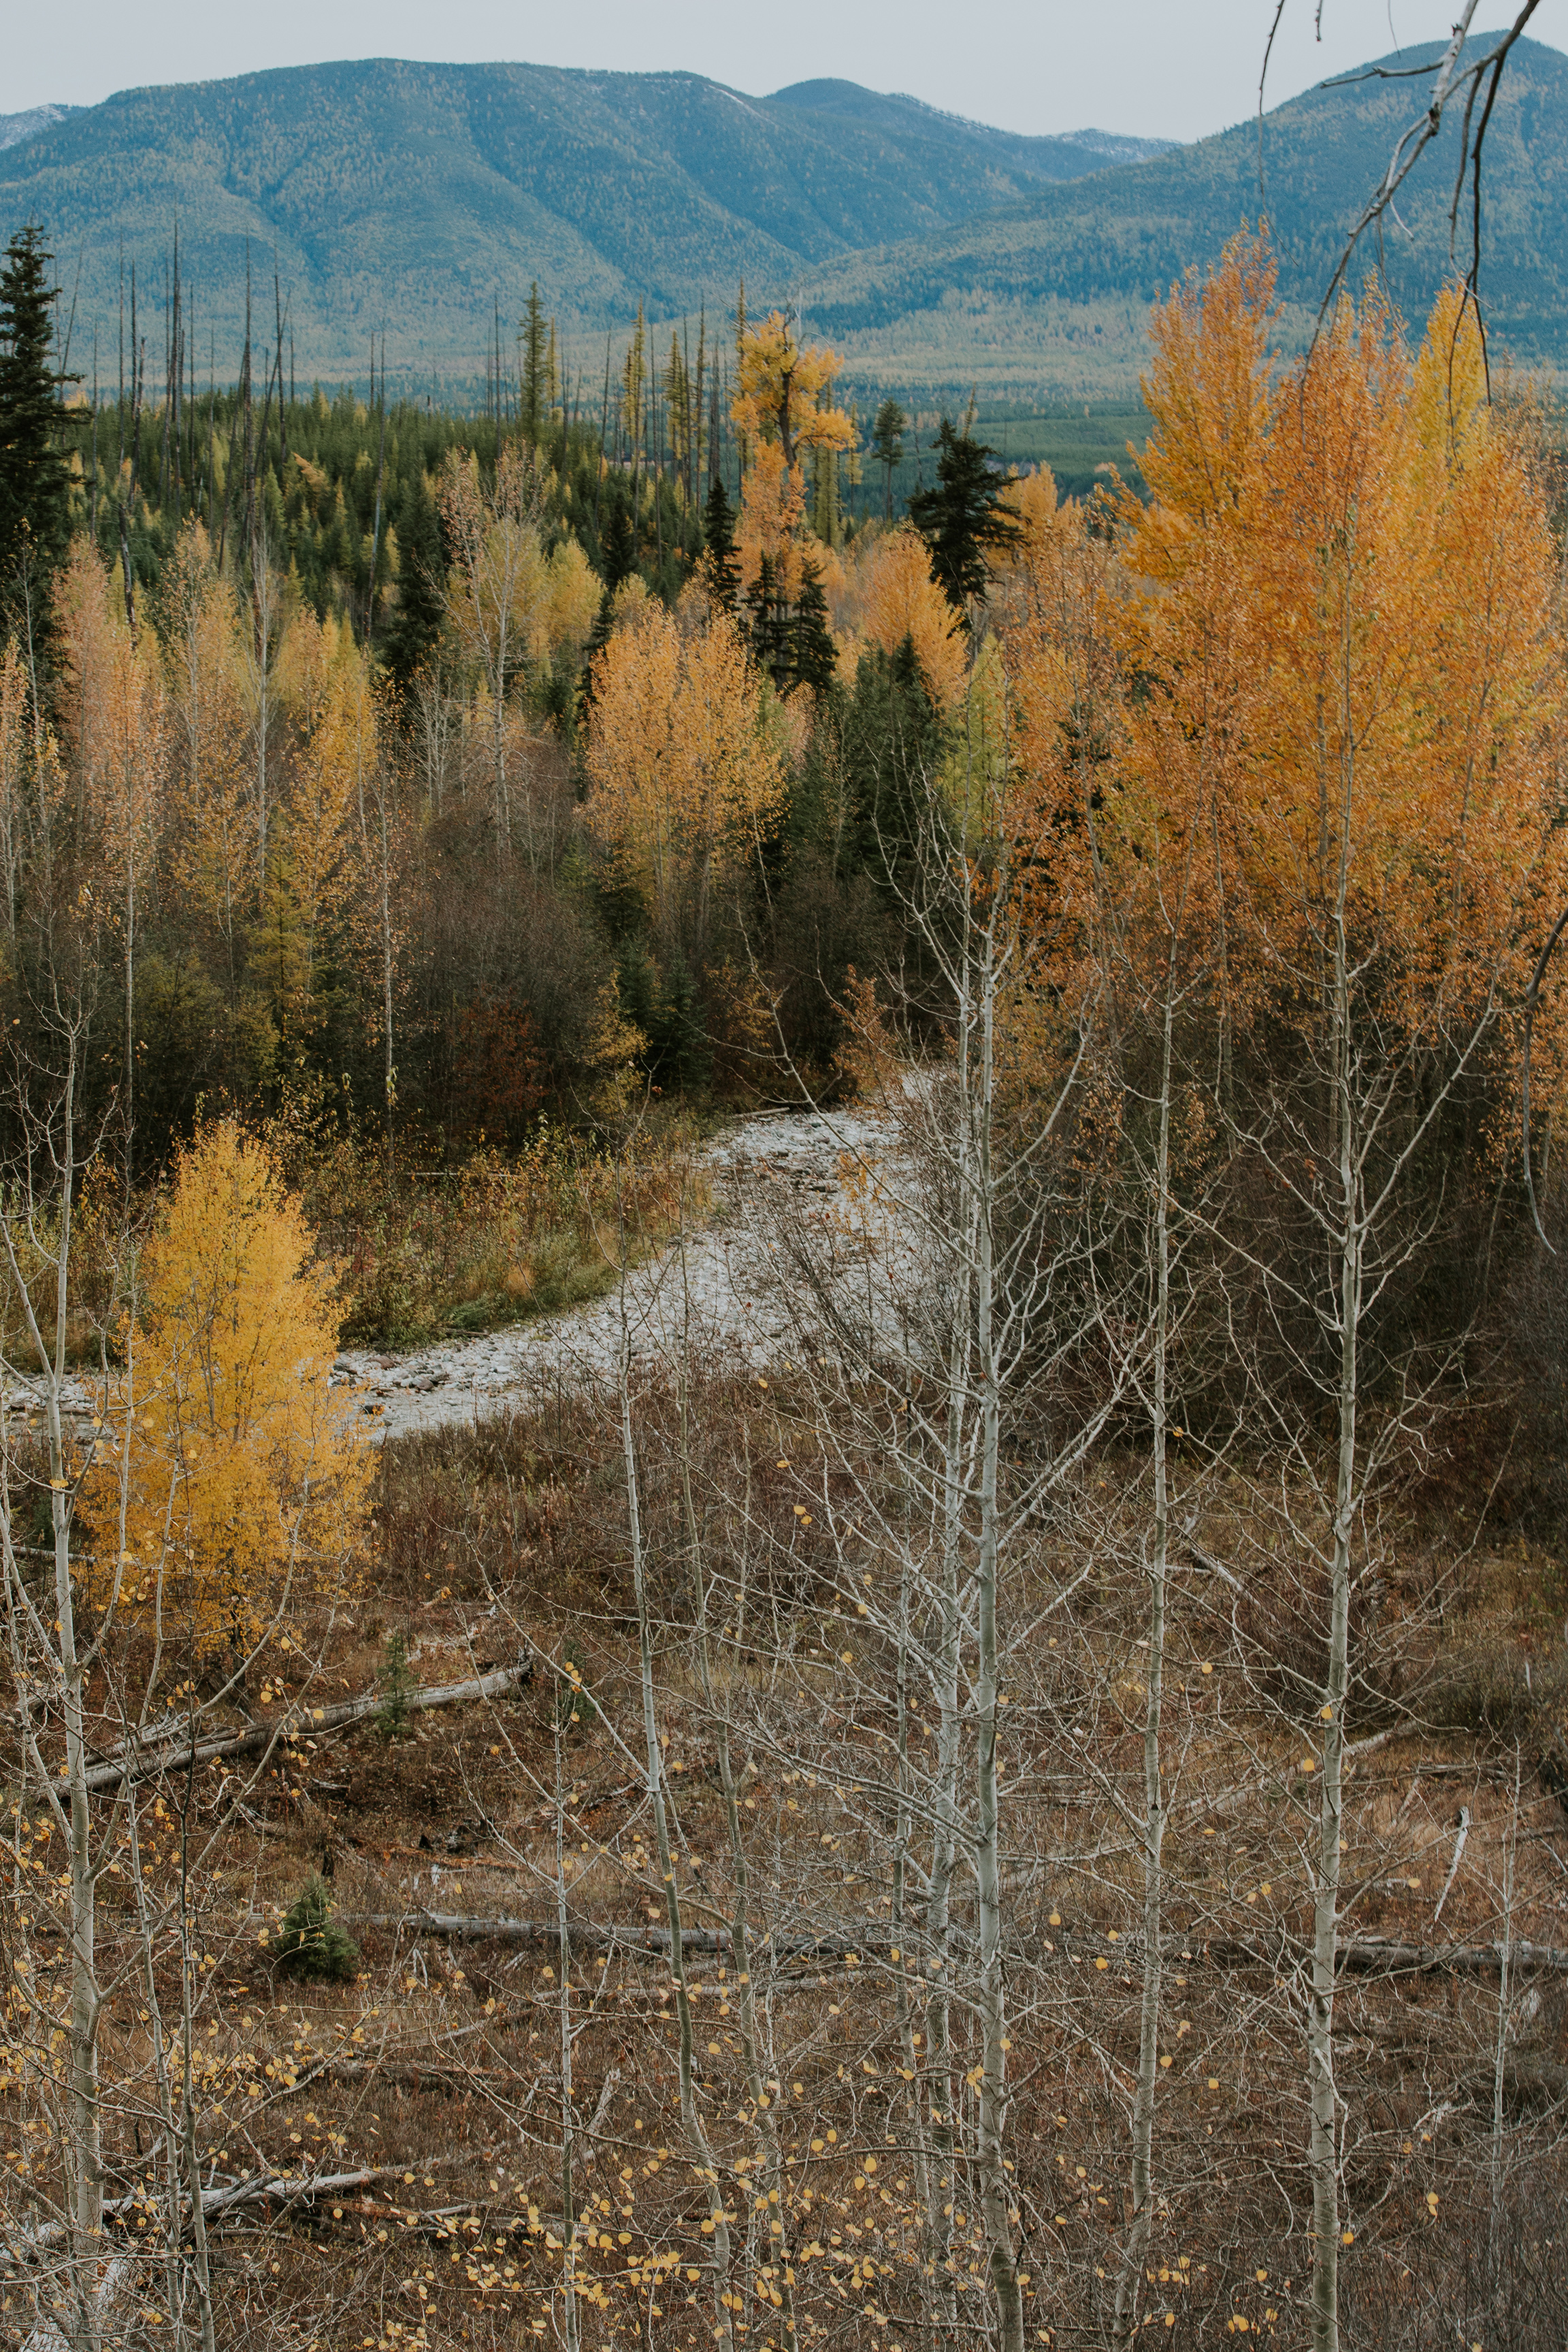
pixel 310 1942
pixel 391 1718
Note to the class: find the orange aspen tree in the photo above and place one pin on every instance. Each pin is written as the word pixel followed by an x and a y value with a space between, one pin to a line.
pixel 1345 621
pixel 900 600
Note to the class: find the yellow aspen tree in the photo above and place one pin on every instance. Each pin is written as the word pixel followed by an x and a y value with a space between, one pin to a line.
pixel 116 721
pixel 498 588
pixel 248 1486
pixel 900 600
pixel 1344 614
pixel 206 698
pixel 14 747
pixel 683 777
pixel 324 807
pixel 783 409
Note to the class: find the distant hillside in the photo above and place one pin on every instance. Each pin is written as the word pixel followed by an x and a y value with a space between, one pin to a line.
pixel 415 197
pixel 1053 291
pixel 13 128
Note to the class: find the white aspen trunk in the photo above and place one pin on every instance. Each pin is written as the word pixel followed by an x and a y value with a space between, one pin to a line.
pixel 69 1794
pixel 179 2144
pixel 1142 2165
pixel 995 2193
pixel 201 2262
pixel 572 2329
pixel 696 2138
pixel 390 1069
pixel 1499 2047
pixel 944 1840
pixel 900 1953
pixel 771 2167
pixel 1323 2156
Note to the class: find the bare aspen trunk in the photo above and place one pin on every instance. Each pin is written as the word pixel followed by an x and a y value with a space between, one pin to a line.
pixel 1153 1826
pixel 944 1846
pixel 1500 2046
pixel 900 1953
pixel 201 2261
pixel 65 1671
pixel 757 2082
pixel 1323 2156
pixel 995 2193
pixel 696 2138
pixel 389 1074
pixel 568 2133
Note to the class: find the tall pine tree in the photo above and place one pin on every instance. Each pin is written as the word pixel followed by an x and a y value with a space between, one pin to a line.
pixel 963 518
pixel 813 660
pixel 35 485
pixel 719 539
pixel 770 631
pixel 536 340
pixel 421 577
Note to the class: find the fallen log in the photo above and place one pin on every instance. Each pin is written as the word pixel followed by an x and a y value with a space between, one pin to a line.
pixel 263 2187
pixel 1454 1959
pixel 1365 1954
pixel 298 1724
pixel 473 1927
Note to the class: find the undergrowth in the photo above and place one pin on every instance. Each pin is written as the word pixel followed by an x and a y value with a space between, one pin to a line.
pixel 426 1250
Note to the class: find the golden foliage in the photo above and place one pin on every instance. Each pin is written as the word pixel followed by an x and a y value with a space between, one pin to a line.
pixel 773 510
pixel 114 714
pixel 684 779
pixel 246 1488
pixel 572 600
pixel 782 406
pixel 501 590
pixel 782 390
pixel 201 633
pixel 900 598
pixel 1340 609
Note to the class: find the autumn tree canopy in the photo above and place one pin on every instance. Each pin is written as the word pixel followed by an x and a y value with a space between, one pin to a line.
pixel 246 1485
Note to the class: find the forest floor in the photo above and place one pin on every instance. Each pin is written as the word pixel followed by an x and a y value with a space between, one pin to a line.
pixel 410 2117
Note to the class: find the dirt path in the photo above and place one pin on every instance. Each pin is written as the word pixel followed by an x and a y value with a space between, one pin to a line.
pixel 723 1298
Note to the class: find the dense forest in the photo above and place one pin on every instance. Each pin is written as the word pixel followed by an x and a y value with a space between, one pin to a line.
pixel 975 1752
pixel 323 676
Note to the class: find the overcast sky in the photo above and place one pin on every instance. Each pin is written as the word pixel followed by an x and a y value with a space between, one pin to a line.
pixel 1175 69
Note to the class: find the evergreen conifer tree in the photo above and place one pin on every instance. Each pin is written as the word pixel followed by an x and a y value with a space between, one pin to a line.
pixel 770 630
pixel 421 569
pixel 814 661
pixel 35 485
pixel 617 546
pixel 536 340
pixel 617 563
pixel 719 539
pixel 887 448
pixel 963 518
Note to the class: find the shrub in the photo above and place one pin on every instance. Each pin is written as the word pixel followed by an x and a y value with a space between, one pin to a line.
pixel 390 1720
pixel 310 1942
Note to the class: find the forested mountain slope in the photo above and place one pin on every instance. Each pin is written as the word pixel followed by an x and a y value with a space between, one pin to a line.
pixel 1054 289
pixel 412 197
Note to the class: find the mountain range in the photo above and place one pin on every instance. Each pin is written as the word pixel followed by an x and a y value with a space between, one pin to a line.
pixel 1055 287
pixel 414 198
pixel 421 201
